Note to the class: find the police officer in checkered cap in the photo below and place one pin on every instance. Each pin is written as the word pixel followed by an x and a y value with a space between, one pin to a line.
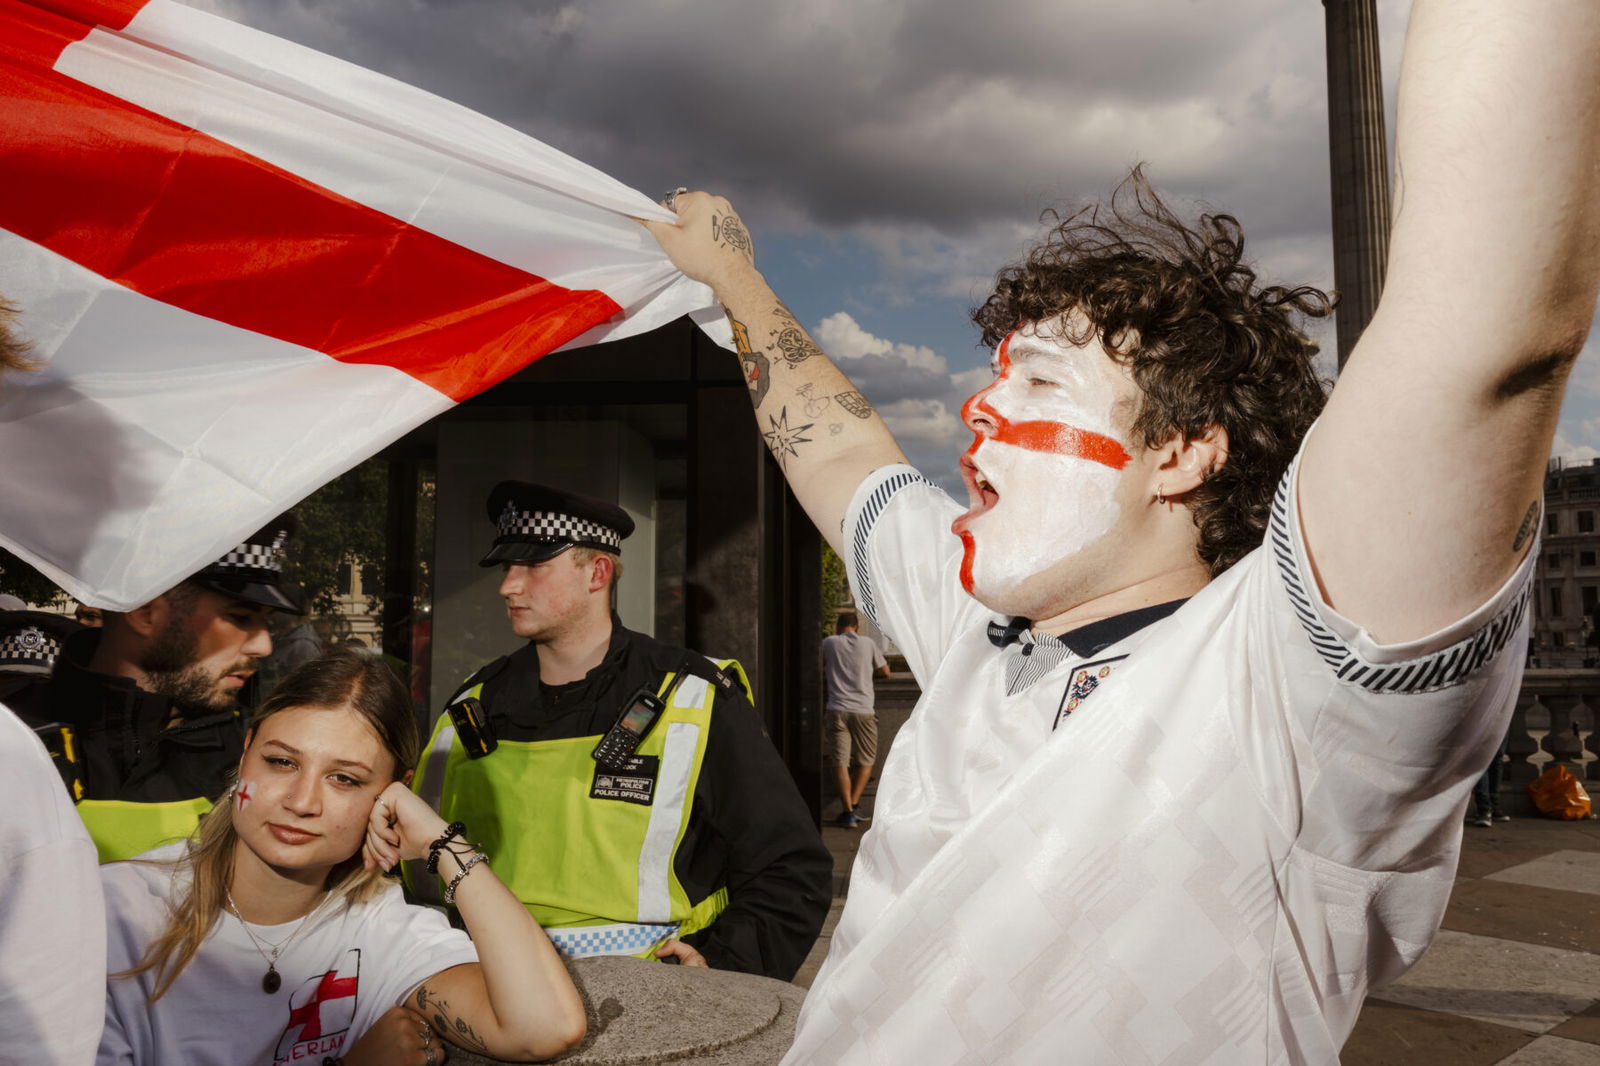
pixel 537 522
pixel 30 641
pixel 151 697
pixel 728 871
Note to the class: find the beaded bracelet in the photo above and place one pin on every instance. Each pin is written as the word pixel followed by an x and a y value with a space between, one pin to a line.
pixel 454 829
pixel 466 867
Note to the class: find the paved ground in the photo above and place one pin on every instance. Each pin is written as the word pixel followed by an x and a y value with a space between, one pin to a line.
pixel 1513 977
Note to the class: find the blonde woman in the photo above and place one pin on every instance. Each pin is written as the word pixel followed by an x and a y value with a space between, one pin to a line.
pixel 275 937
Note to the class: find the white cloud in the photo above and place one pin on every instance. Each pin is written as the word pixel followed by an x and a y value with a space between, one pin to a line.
pixel 843 338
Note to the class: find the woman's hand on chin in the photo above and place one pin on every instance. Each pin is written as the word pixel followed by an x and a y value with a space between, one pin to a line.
pixel 401 826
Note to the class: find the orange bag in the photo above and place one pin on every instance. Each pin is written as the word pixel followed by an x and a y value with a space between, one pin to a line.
pixel 1558 794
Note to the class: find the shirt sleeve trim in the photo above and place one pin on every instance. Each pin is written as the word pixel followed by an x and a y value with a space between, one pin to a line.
pixel 879 488
pixel 1428 672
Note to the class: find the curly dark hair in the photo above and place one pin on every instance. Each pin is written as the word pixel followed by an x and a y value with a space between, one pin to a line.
pixel 13 349
pixel 1205 344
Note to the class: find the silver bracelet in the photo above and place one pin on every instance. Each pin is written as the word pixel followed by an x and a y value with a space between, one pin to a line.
pixel 466 868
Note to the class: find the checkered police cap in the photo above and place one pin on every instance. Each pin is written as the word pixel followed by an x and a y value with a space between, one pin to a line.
pixel 253 570
pixel 537 522
pixel 30 641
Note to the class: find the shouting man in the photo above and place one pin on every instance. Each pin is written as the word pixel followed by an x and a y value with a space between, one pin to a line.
pixel 1204 693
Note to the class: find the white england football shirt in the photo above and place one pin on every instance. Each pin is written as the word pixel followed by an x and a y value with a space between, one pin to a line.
pixel 347 967
pixel 1197 846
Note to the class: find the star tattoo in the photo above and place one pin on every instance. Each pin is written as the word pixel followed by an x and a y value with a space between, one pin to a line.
pixel 784 439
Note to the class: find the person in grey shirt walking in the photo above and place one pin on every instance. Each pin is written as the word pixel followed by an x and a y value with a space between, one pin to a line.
pixel 849 661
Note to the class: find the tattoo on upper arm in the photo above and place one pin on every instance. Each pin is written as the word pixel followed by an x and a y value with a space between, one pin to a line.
pixel 755 365
pixel 1525 531
pixel 448 1025
pixel 855 403
pixel 783 439
pixel 835 429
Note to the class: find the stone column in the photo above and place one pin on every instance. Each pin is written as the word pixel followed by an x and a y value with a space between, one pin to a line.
pixel 1358 157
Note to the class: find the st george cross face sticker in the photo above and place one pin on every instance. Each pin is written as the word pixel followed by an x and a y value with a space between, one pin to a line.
pixel 243 793
pixel 1045 463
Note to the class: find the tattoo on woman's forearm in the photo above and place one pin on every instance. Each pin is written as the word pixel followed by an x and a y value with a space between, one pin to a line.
pixel 1525 531
pixel 455 1029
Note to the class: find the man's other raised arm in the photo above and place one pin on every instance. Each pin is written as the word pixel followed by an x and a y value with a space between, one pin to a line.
pixel 1420 487
pixel 822 431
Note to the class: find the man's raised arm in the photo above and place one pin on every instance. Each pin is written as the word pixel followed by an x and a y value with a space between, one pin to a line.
pixel 822 431
pixel 1420 487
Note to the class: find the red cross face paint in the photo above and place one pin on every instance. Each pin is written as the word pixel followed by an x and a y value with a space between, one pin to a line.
pixel 1046 460
pixel 243 794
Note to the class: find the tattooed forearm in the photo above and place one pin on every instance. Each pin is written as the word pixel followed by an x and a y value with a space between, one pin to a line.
pixel 1525 531
pixel 756 366
pixel 815 405
pixel 454 1029
pixel 855 403
pixel 783 439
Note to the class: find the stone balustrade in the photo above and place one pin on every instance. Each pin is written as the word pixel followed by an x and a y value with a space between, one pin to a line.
pixel 1554 721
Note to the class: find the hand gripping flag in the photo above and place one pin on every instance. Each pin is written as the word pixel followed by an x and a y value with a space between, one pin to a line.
pixel 250 266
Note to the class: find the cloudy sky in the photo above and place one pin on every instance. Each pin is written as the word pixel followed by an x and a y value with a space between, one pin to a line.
pixel 889 155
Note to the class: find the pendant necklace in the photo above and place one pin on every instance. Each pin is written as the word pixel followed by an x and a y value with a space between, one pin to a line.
pixel 271 981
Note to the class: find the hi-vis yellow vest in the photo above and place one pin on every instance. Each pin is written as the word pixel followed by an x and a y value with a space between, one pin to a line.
pixel 122 829
pixel 588 852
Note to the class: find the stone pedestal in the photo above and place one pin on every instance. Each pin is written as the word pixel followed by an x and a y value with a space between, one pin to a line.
pixel 645 1012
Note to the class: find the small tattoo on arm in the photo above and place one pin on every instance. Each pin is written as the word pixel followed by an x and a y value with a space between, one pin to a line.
pixel 454 1029
pixel 835 429
pixel 756 366
pixel 727 229
pixel 1525 531
pixel 783 439
pixel 815 405
pixel 855 403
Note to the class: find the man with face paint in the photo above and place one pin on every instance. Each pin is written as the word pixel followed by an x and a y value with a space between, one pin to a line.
pixel 1204 690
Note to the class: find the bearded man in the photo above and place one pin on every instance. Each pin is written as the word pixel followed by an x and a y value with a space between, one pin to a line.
pixel 145 707
pixel 1204 690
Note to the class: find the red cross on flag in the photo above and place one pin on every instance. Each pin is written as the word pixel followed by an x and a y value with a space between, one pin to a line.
pixel 250 266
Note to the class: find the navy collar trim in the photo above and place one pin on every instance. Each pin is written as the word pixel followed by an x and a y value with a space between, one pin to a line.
pixel 1090 639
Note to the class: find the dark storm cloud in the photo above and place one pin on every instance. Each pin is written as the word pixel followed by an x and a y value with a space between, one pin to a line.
pixel 939 112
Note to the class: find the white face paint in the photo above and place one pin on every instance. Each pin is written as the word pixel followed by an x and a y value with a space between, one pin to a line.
pixel 1046 461
pixel 243 793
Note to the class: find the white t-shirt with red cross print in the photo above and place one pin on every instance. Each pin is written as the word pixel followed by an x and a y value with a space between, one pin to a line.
pixel 347 967
pixel 1198 842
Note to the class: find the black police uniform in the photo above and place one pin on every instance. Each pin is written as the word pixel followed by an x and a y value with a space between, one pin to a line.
pixel 748 827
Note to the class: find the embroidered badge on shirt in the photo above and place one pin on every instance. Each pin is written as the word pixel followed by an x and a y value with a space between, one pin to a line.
pixel 634 783
pixel 1085 680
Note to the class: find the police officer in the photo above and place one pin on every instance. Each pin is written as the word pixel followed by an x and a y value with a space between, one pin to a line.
pixel 624 787
pixel 30 642
pixel 147 703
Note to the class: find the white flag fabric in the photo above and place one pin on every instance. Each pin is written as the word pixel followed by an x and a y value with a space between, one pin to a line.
pixel 249 266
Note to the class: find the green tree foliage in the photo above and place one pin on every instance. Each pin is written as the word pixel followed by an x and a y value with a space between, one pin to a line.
pixel 26 583
pixel 835 588
pixel 341 524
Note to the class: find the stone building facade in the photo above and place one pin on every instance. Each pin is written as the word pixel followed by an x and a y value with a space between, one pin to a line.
pixel 1567 575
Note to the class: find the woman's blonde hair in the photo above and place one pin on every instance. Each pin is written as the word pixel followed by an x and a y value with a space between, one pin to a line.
pixel 348 677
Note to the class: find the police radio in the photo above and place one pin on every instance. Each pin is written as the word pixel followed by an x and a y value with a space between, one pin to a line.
pixel 472 727
pixel 632 726
pixel 62 745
